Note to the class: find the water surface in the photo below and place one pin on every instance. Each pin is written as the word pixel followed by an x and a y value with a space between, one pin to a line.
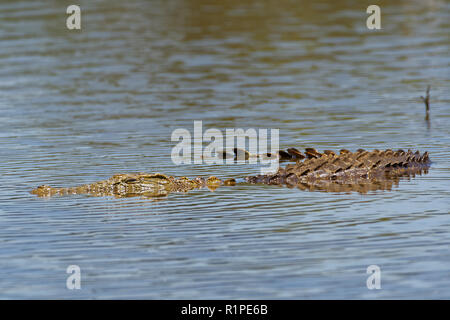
pixel 80 106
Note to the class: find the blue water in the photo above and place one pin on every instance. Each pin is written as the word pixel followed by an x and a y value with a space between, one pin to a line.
pixel 80 106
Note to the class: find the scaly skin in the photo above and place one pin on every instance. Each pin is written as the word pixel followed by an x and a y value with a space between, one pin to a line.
pixel 129 185
pixel 360 171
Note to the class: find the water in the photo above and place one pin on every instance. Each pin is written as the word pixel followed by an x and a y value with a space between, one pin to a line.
pixel 77 107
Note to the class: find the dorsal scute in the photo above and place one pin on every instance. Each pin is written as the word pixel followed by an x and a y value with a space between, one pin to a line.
pixel 312 153
pixel 295 153
pixel 283 155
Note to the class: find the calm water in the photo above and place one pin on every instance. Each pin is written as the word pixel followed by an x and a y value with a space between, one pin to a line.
pixel 76 107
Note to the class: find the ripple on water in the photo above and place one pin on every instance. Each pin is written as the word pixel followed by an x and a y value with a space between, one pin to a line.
pixel 79 107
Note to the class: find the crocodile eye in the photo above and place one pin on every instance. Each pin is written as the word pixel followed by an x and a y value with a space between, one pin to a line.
pixel 158 176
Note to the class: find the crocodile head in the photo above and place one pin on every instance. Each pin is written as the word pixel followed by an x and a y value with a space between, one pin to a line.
pixel 44 191
pixel 146 184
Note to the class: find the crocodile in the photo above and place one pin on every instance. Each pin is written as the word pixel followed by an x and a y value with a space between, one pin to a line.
pixel 359 171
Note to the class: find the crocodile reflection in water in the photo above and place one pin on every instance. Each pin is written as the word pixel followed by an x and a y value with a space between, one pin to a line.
pixel 359 171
